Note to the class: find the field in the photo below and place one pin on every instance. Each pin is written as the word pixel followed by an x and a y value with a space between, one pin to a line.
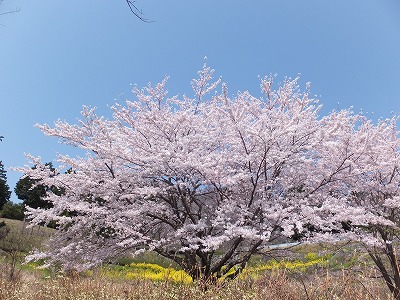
pixel 271 285
pixel 307 272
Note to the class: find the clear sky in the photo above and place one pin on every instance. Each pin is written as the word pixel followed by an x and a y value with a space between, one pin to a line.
pixel 56 56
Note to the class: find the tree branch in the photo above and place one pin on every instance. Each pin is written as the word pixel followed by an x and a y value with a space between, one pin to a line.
pixel 136 11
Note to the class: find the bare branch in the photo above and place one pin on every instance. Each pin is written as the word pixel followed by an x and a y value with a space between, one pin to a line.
pixel 15 10
pixel 136 11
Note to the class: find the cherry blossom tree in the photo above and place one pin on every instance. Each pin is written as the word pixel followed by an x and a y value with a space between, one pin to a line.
pixel 210 180
pixel 188 178
pixel 366 193
pixel 358 194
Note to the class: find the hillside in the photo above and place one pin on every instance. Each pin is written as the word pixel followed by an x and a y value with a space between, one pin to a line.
pixel 23 238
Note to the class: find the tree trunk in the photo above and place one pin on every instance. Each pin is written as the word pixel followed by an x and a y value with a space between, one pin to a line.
pixel 392 282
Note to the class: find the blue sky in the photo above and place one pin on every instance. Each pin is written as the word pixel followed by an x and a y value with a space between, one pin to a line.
pixel 56 56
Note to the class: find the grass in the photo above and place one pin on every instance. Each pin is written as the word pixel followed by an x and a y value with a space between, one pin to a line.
pixel 272 285
pixel 17 243
pixel 307 272
pixel 36 234
pixel 309 278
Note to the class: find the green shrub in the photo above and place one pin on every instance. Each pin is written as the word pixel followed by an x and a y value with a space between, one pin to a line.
pixel 12 211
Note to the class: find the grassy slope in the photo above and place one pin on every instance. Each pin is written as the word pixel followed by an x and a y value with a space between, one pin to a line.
pixel 21 238
pixel 38 231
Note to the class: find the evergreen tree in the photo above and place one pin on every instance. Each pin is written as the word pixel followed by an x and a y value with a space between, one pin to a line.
pixel 5 192
pixel 32 193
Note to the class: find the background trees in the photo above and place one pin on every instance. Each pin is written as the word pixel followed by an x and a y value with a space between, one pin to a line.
pixel 208 181
pixel 5 192
pixel 32 193
pixel 12 210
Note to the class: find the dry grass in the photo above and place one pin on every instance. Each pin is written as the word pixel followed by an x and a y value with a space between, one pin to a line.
pixel 276 285
pixel 284 280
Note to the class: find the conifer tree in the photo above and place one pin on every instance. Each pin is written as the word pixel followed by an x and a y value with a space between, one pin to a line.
pixel 5 192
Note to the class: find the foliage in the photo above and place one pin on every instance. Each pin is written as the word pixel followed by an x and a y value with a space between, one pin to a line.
pixel 12 211
pixel 5 192
pixel 210 180
pixel 32 191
